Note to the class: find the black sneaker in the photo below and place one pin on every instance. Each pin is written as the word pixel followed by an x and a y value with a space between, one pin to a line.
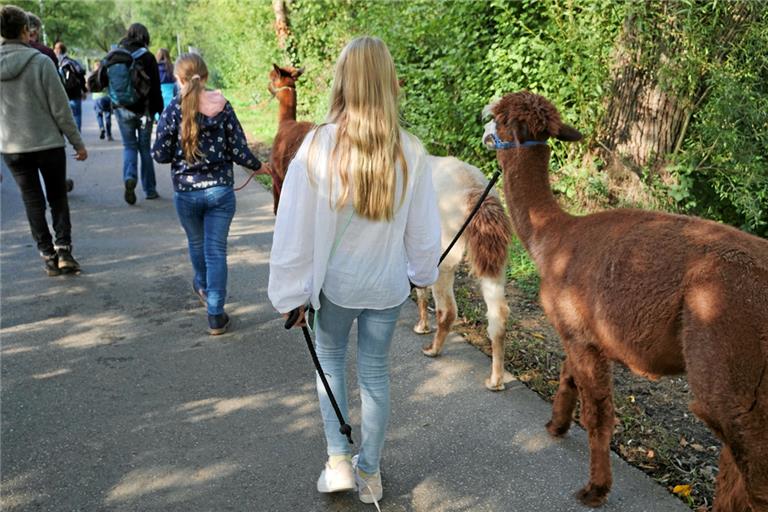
pixel 69 184
pixel 153 195
pixel 218 324
pixel 109 137
pixel 67 263
pixel 101 135
pixel 51 262
pixel 130 191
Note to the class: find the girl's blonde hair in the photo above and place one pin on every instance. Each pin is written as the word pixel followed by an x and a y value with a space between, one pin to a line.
pixel 191 69
pixel 364 106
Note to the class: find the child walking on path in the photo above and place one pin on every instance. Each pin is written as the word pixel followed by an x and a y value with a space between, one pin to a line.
pixel 357 219
pixel 200 136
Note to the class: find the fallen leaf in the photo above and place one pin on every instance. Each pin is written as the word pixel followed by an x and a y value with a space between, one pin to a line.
pixel 651 454
pixel 697 447
pixel 682 490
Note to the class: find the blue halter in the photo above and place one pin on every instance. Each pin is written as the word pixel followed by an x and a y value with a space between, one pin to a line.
pixel 500 144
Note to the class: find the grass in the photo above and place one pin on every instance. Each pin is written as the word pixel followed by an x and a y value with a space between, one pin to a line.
pixel 256 112
pixel 522 270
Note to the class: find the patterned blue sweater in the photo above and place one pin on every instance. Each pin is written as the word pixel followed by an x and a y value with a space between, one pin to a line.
pixel 221 141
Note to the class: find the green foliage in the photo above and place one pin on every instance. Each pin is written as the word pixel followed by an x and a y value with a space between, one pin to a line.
pixel 456 56
pixel 237 40
pixel 722 170
pixel 85 27
pixel 522 270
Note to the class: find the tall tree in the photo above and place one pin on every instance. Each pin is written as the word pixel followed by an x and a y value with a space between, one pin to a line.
pixel 282 28
pixel 661 61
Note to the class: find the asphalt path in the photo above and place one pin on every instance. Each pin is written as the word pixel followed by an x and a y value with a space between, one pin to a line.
pixel 115 398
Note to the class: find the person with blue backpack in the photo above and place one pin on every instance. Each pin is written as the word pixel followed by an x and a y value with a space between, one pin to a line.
pixel 130 73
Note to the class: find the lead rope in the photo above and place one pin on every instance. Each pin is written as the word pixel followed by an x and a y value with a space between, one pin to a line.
pixel 491 183
pixel 293 316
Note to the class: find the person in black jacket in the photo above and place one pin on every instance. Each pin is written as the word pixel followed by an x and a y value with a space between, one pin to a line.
pixel 135 121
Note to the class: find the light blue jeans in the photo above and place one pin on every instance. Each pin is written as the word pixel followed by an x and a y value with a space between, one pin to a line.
pixel 206 216
pixel 375 329
pixel 136 132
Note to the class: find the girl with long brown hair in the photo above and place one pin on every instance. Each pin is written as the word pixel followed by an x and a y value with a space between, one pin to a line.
pixel 357 220
pixel 200 136
pixel 168 86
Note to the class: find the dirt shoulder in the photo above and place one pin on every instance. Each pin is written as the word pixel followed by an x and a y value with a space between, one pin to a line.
pixel 656 431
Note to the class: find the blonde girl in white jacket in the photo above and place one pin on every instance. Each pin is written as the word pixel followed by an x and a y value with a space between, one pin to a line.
pixel 357 220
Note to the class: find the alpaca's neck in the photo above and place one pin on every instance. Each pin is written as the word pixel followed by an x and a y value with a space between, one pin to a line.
pixel 287 100
pixel 534 211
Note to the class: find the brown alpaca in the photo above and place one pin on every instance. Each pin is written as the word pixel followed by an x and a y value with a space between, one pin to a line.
pixel 290 133
pixel 660 293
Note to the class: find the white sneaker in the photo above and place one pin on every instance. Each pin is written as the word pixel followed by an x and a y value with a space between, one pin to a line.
pixel 339 477
pixel 369 488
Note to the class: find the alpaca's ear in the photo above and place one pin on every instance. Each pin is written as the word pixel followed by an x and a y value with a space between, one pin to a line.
pixel 296 74
pixel 277 68
pixel 568 134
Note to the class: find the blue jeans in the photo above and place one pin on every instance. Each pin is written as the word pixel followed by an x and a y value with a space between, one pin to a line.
pixel 375 329
pixel 77 112
pixel 103 108
pixel 136 132
pixel 205 216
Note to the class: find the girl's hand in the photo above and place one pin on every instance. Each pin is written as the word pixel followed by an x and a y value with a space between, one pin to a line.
pixel 300 321
pixel 264 169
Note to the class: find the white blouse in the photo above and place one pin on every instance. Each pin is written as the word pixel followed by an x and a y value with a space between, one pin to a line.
pixel 373 260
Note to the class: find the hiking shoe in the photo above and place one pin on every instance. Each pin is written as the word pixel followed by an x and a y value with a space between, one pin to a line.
pixel 337 475
pixel 69 184
pixel 218 324
pixel 152 195
pixel 109 137
pixel 130 191
pixel 201 295
pixel 369 488
pixel 51 262
pixel 101 135
pixel 67 263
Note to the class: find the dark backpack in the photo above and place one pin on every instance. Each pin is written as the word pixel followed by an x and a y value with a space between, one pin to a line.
pixel 128 81
pixel 73 77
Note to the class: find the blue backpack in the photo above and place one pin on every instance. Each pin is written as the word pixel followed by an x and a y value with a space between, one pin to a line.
pixel 129 82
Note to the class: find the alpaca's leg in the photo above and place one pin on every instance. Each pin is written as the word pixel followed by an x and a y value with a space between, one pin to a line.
pixel 592 371
pixel 422 301
pixel 565 402
pixel 730 389
pixel 497 313
pixel 445 311
pixel 730 489
pixel 742 480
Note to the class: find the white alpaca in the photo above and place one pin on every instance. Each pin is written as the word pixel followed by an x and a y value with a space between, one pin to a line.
pixel 486 240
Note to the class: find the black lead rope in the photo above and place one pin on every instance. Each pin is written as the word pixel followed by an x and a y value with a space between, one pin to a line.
pixel 491 183
pixel 344 428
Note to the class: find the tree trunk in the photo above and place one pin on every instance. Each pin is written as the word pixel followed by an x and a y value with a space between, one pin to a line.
pixel 647 109
pixel 642 118
pixel 282 28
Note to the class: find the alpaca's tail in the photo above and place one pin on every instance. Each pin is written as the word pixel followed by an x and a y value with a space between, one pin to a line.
pixel 488 236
